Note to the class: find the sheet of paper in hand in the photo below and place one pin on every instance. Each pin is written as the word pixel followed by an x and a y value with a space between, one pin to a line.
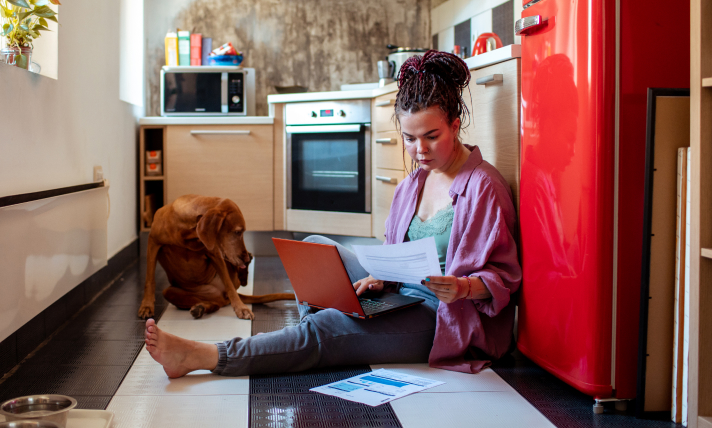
pixel 376 388
pixel 409 262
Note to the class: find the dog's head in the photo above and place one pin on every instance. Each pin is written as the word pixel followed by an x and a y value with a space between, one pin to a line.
pixel 221 229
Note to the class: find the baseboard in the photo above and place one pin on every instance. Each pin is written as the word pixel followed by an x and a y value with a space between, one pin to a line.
pixel 28 337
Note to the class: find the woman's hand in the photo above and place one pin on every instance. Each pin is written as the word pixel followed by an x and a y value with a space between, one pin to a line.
pixel 367 284
pixel 447 288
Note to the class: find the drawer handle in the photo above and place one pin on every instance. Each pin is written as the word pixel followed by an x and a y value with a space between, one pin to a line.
pixel 235 132
pixel 489 79
pixel 387 179
pixel 385 140
pixel 385 103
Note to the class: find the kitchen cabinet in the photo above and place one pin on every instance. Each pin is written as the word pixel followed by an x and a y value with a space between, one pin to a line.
pixel 229 161
pixel 494 109
pixel 387 161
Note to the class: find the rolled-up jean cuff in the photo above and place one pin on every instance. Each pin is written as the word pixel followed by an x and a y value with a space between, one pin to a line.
pixel 222 358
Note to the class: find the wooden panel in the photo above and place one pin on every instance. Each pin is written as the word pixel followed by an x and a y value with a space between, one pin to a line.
pixel 389 155
pixel 280 183
pixel 671 132
pixel 382 198
pixel 495 120
pixel 238 167
pixel 142 178
pixel 383 119
pixel 700 359
pixel 329 222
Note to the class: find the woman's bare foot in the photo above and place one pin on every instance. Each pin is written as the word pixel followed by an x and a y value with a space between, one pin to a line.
pixel 179 356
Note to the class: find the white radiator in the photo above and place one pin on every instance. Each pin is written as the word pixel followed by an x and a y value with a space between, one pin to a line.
pixel 48 247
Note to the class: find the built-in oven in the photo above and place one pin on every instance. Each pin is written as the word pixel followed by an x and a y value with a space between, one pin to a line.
pixel 328 156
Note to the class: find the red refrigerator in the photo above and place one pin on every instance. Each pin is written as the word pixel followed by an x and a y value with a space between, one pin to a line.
pixel 586 67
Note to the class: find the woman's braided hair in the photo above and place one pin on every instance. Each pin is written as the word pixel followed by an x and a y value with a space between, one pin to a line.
pixel 434 79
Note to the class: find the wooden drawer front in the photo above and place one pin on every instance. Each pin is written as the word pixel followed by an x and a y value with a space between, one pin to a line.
pixel 389 155
pixel 230 164
pixel 495 120
pixel 382 197
pixel 383 119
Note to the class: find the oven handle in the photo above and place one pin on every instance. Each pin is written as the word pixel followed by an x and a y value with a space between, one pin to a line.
pixel 216 132
pixel 321 129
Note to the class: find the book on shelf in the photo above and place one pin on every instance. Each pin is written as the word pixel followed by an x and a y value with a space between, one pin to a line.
pixel 196 43
pixel 171 48
pixel 183 47
pixel 207 47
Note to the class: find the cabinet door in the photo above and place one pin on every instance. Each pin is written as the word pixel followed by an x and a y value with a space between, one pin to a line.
pixel 227 161
pixel 383 109
pixel 384 186
pixel 388 150
pixel 495 119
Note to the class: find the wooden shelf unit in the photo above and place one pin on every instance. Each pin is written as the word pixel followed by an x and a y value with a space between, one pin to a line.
pixel 151 137
pixel 700 361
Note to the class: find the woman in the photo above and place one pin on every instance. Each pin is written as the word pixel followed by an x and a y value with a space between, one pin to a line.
pixel 453 195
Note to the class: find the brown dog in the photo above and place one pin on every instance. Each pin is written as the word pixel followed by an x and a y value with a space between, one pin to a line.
pixel 199 242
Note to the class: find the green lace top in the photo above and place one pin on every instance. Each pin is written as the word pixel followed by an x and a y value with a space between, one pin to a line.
pixel 438 226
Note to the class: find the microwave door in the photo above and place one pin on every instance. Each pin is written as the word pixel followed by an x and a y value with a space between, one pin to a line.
pixel 193 93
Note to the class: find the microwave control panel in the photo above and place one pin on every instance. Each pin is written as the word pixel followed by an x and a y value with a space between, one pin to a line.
pixel 236 92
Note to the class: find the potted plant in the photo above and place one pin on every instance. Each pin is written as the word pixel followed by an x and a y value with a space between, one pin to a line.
pixel 22 21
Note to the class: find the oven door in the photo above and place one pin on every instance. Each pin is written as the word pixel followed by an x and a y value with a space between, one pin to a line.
pixel 329 168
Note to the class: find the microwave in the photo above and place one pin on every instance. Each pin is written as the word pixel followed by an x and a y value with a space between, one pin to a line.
pixel 207 91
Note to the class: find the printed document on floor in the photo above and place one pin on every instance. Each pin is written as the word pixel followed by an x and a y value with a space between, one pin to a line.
pixel 376 388
pixel 409 262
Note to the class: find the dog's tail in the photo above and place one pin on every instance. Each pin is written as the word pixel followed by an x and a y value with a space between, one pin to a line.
pixel 266 298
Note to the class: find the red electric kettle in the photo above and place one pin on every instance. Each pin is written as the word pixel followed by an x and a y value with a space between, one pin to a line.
pixel 486 42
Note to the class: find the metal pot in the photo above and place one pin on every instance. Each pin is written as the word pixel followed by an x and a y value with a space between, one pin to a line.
pixel 398 55
pixel 50 407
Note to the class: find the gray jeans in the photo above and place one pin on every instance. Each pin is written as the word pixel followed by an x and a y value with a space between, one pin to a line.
pixel 329 338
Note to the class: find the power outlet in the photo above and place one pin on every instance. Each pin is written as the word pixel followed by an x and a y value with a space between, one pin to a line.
pixel 98 173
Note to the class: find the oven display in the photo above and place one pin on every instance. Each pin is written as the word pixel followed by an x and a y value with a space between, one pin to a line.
pixel 326 113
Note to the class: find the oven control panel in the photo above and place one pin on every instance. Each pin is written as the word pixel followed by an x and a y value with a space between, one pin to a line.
pixel 328 112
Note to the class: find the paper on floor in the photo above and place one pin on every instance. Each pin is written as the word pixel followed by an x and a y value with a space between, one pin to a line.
pixel 376 388
pixel 409 262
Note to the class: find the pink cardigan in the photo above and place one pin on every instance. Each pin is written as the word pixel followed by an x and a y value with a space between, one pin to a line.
pixel 481 244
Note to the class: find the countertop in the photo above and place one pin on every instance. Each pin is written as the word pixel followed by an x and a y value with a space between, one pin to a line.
pixel 207 120
pixel 483 60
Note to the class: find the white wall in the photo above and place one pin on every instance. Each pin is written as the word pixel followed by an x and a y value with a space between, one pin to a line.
pixel 53 132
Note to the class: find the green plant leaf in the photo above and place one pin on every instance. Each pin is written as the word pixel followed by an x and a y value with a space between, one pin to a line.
pixel 44 11
pixel 21 60
pixel 43 22
pixel 52 18
pixel 39 27
pixel 20 3
pixel 40 2
pixel 24 27
pixel 6 29
pixel 6 12
pixel 24 15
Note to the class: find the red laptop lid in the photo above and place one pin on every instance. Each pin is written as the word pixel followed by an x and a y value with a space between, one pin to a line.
pixel 318 275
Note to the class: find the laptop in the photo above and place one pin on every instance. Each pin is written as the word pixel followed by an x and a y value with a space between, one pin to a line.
pixel 320 280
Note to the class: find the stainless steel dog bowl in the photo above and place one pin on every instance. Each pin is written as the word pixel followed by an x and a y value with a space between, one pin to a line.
pixel 53 408
pixel 29 424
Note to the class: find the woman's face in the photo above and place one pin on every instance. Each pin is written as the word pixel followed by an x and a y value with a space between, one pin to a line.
pixel 429 139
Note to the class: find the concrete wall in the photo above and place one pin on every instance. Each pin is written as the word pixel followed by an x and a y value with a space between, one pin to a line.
pixel 315 43
pixel 53 132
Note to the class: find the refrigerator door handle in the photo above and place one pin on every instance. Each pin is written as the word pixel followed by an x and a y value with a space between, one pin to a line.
pixel 528 24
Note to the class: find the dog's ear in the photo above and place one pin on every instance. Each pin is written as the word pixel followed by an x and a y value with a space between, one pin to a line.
pixel 209 226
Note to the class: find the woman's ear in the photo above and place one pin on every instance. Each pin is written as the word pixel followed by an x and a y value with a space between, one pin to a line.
pixel 455 127
pixel 209 226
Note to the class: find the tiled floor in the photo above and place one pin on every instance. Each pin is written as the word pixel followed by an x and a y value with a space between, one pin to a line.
pixel 98 357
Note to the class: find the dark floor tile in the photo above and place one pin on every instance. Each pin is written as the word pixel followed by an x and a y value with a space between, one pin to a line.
pixel 72 380
pixel 87 352
pixel 84 329
pixel 8 354
pixel 30 335
pixel 93 402
pixel 302 382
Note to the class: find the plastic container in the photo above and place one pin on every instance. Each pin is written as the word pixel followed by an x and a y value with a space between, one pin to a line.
pixel 224 60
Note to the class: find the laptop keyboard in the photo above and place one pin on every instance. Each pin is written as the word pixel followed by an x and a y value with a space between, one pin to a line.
pixel 372 306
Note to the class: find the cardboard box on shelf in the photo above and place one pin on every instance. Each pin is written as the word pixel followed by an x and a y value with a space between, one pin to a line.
pixel 171 48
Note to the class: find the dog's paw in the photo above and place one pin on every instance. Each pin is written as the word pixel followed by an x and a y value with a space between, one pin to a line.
pixel 197 311
pixel 244 313
pixel 145 311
